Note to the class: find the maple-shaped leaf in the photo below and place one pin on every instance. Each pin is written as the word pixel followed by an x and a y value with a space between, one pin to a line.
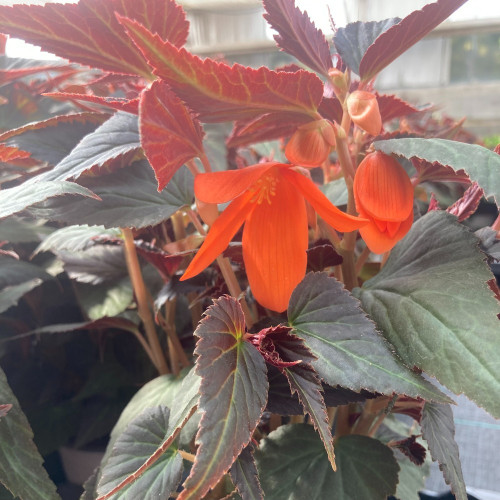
pixel 468 203
pixel 413 450
pixel 170 134
pixel 88 32
pixel 400 37
pixel 298 35
pixel 118 103
pixel 391 107
pixel 264 128
pixel 218 92
pixel 233 394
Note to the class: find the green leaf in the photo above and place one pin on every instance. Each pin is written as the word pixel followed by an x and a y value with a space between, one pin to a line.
pixel 233 394
pixel 293 465
pixel 133 449
pixel 350 352
pixel 15 199
pixel 16 230
pixel 335 191
pixel 16 272
pixel 21 469
pixel 411 478
pixel 438 429
pixel 480 164
pixel 75 238
pixel 129 199
pixel 10 295
pixel 432 303
pixel 114 138
pixel 103 300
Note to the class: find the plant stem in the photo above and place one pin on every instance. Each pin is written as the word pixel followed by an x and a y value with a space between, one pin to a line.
pixel 362 259
pixel 186 456
pixel 141 295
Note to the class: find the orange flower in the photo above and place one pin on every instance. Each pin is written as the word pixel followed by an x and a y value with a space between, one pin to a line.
pixel 270 199
pixel 384 194
pixel 311 143
pixel 364 111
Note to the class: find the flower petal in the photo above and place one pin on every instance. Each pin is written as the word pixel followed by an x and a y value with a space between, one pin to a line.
pixel 221 187
pixel 381 241
pixel 274 246
pixel 220 234
pixel 382 188
pixel 324 208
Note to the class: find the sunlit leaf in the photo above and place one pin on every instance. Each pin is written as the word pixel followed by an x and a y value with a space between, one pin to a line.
pixel 218 92
pixel 133 448
pixel 120 104
pixel 10 295
pixel 398 39
pixel 432 302
pixel 233 394
pixel 298 35
pixel 129 198
pixel 485 169
pixel 349 351
pixel 391 107
pixel 293 465
pixel 170 134
pixel 88 32
pixel 438 429
pixel 21 469
pixel 18 198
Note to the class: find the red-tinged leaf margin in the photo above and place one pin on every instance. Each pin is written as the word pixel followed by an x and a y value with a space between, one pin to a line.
pixel 170 134
pixel 436 172
pixel 218 92
pixel 86 117
pixel 400 37
pixel 468 203
pixel 9 75
pixel 245 476
pixel 391 107
pixel 298 35
pixel 10 154
pixel 88 32
pixel 233 394
pixel 305 382
pixel 120 104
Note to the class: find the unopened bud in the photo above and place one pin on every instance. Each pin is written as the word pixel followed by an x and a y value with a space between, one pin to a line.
pixel 363 109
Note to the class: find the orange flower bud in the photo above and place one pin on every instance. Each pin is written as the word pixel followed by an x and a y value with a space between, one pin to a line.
pixel 311 143
pixel 383 194
pixel 364 112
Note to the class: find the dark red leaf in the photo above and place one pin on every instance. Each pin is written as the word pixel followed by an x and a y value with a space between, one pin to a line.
pixel 170 135
pixel 9 154
pixel 413 450
pixel 245 475
pixel 433 203
pixel 9 75
pixel 88 32
pixel 391 107
pixel 298 35
pixel 322 255
pixel 120 104
pixel 165 263
pixel 400 37
pixel 468 203
pixel 331 108
pixel 233 394
pixel 434 172
pixel 218 92
pixel 266 342
pixel 264 128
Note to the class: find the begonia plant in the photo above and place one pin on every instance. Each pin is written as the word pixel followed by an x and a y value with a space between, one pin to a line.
pixel 276 240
